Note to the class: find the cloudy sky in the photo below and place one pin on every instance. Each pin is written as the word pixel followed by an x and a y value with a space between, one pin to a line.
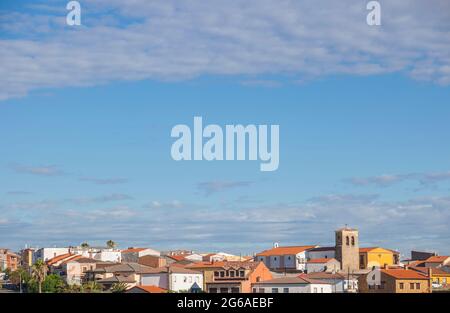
pixel 86 114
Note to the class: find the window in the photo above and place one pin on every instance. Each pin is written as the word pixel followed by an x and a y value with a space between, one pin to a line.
pixel 216 274
pixel 222 274
pixel 286 290
pixel 274 290
pixel 262 290
pixel 321 290
pixel 254 290
pixel 242 273
pixel 212 290
pixel 185 279
pixel 353 241
pixel 223 290
pixel 315 290
pixel 347 240
pixel 418 286
pixel 402 286
pixel 372 287
pixel 235 290
pixel 232 274
pixel 411 286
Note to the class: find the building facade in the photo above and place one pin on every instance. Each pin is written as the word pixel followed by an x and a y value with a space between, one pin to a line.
pixel 347 249
pixel 289 259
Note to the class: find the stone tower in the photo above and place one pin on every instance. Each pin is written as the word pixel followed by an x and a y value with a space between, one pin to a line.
pixel 347 249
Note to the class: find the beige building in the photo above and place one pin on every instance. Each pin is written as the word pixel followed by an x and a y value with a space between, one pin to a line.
pixel 347 249
pixel 395 281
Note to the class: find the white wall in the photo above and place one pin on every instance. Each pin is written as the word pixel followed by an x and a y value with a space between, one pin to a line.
pixel 109 256
pixel 46 254
pixel 295 288
pixel 300 260
pixel 159 280
pixel 321 288
pixel 179 282
pixel 330 254
pixel 184 282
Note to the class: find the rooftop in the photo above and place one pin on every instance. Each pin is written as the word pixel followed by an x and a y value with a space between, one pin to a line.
pixel 437 259
pixel 286 250
pixel 404 274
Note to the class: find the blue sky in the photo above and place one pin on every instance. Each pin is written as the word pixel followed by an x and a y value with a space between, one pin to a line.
pixel 86 115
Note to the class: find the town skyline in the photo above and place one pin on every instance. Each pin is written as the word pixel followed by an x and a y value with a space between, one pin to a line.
pixel 86 113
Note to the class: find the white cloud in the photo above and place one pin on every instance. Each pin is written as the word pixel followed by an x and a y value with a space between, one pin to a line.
pixel 47 170
pixel 176 40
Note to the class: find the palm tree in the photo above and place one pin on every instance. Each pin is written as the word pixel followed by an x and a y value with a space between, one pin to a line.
pixel 119 288
pixel 38 273
pixel 111 244
pixel 85 245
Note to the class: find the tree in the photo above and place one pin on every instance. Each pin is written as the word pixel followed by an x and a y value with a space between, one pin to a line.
pixel 85 245
pixel 92 287
pixel 111 244
pixel 53 284
pixel 20 276
pixel 119 288
pixel 38 273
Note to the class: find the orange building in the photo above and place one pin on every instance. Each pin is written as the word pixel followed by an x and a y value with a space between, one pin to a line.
pixel 231 277
pixel 8 260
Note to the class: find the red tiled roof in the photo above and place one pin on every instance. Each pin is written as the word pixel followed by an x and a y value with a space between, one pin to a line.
pixel 134 250
pixel 176 257
pixel 152 289
pixel 224 265
pixel 319 261
pixel 404 274
pixel 58 258
pixel 437 259
pixel 71 258
pixel 285 250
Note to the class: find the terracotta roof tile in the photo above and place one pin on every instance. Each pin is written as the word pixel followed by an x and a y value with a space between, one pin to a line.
pixel 404 274
pixel 134 250
pixel 437 259
pixel 152 289
pixel 285 250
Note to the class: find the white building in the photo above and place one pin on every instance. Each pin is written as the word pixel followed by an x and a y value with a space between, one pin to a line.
pixel 321 253
pixel 285 258
pixel 175 279
pixel 46 254
pixel 292 285
pixel 341 283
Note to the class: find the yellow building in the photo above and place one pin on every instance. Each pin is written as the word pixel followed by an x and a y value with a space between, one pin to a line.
pixel 377 257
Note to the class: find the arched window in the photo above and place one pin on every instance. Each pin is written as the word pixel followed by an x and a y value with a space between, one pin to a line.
pixel 347 240
pixel 353 241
